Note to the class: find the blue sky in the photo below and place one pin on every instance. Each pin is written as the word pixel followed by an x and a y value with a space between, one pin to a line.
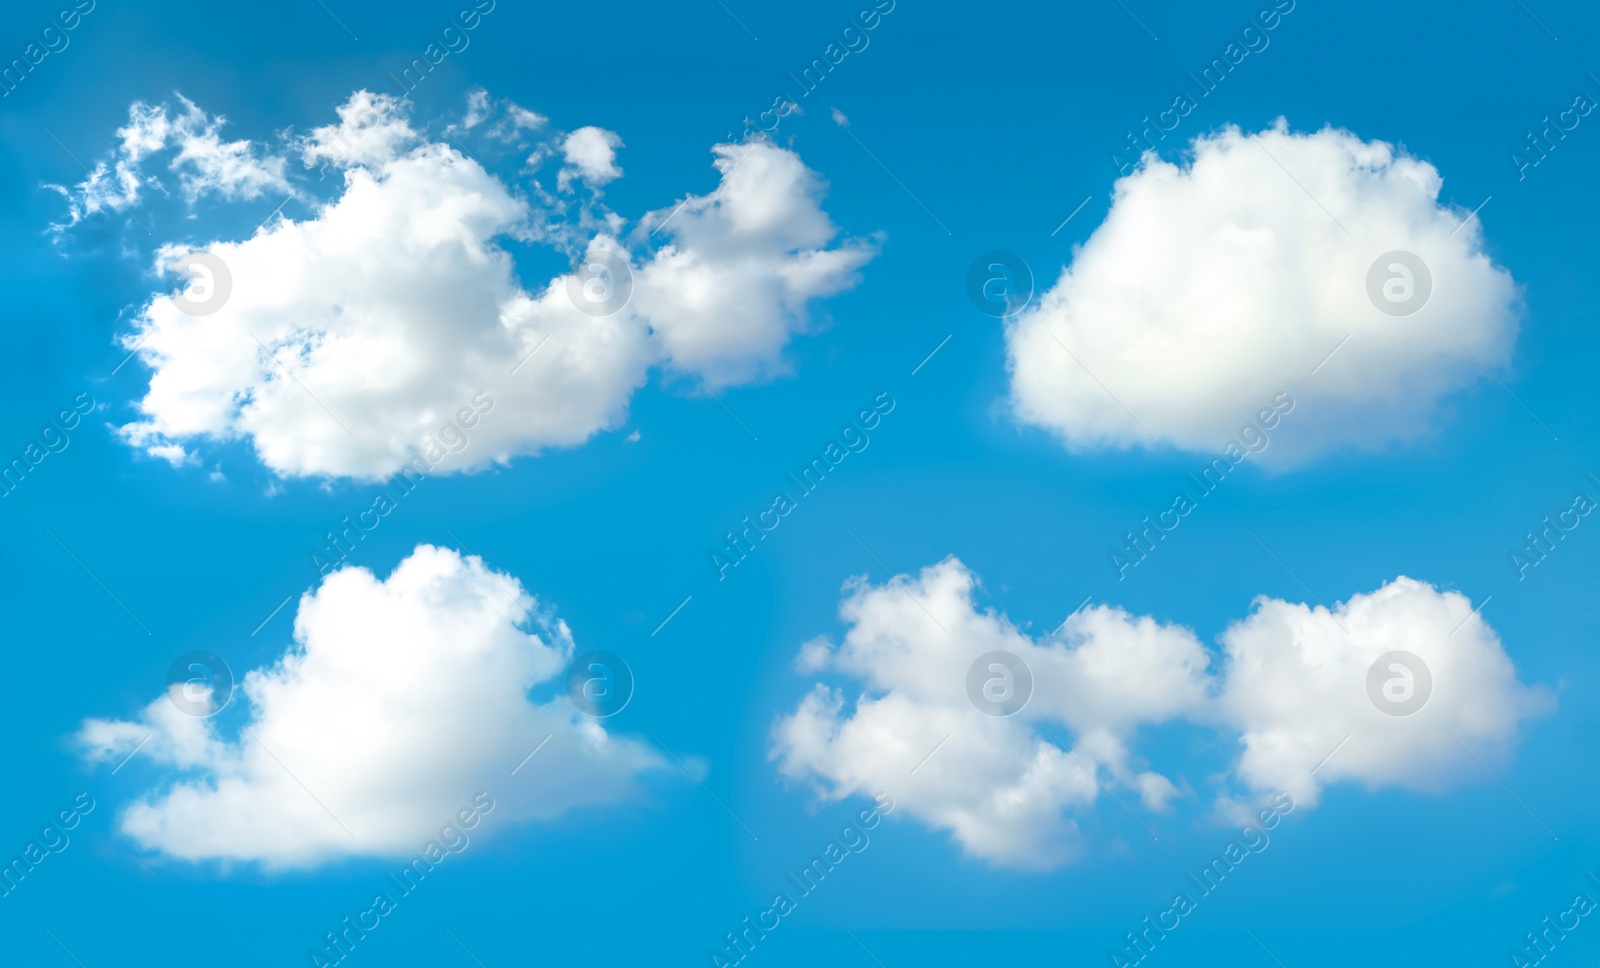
pixel 950 134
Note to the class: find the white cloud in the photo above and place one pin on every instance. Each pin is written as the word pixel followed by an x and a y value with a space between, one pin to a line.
pixel 1002 786
pixel 519 118
pixel 591 154
pixel 350 339
pixel 399 701
pixel 205 163
pixel 732 287
pixel 373 130
pixel 1296 685
pixel 477 108
pixel 1213 286
pixel 1008 789
pixel 231 169
pixel 514 119
pixel 114 188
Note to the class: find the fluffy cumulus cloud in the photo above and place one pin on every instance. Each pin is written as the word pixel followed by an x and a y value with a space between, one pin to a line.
pixel 204 162
pixel 1297 691
pixel 342 344
pixel 373 130
pixel 1005 787
pixel 1214 285
pixel 1292 682
pixel 731 288
pixel 591 153
pixel 401 700
pixel 350 339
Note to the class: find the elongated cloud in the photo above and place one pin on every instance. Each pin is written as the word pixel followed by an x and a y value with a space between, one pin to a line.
pixel 1292 683
pixel 339 344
